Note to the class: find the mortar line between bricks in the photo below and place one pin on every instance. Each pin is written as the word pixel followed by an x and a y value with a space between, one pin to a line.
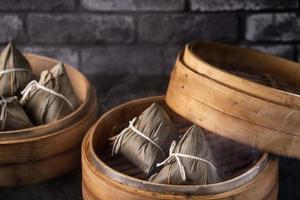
pixel 69 45
pixel 107 44
pixel 187 6
pixel 241 28
pixel 122 12
pixel 295 51
pixel 84 11
pixel 77 5
pixel 26 29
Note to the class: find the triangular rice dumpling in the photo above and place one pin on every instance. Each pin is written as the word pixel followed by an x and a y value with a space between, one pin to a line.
pixel 51 98
pixel 15 71
pixel 12 116
pixel 190 162
pixel 146 141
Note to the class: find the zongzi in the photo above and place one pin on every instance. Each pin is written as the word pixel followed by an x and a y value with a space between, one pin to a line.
pixel 12 116
pixel 15 71
pixel 51 98
pixel 190 162
pixel 146 140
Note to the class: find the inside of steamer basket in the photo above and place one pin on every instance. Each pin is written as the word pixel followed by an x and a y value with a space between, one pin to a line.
pixel 232 158
pixel 255 66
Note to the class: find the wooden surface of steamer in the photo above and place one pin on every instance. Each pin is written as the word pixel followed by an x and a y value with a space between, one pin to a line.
pixel 49 145
pixel 208 58
pixel 267 126
pixel 236 103
pixel 43 152
pixel 97 184
pixel 34 172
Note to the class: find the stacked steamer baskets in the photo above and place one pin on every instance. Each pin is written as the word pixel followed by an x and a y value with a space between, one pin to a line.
pixel 265 116
pixel 250 174
pixel 43 152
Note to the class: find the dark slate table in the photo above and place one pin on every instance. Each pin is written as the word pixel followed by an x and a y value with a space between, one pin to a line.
pixel 113 91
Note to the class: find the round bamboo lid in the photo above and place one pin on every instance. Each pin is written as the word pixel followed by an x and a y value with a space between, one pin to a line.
pixel 208 86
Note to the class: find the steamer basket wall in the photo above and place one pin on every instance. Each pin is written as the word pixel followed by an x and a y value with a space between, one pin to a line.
pixel 106 177
pixel 47 151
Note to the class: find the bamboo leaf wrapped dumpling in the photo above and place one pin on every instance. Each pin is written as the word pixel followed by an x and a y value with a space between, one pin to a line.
pixel 15 71
pixel 190 162
pixel 12 116
pixel 51 98
pixel 147 139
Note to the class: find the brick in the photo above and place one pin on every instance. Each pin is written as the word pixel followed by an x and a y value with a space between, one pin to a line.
pixel 12 28
pixel 134 5
pixel 40 5
pixel 170 54
pixel 58 29
pixel 273 27
pixel 285 51
pixel 231 5
pixel 63 54
pixel 137 59
pixel 181 28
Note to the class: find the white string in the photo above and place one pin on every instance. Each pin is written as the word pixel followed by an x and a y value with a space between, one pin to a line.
pixel 3 115
pixel 177 157
pixel 34 84
pixel 13 70
pixel 117 140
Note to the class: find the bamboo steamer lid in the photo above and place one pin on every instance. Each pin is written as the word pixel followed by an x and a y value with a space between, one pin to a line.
pixel 240 109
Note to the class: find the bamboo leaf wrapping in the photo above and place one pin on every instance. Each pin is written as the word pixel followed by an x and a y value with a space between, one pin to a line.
pixel 44 107
pixel 197 172
pixel 15 117
pixel 155 124
pixel 13 82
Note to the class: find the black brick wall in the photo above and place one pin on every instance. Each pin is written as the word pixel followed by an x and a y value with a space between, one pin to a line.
pixel 109 40
pixel 143 36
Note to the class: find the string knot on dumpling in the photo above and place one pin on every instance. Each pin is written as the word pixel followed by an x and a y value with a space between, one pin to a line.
pixel 3 104
pixel 33 85
pixel 177 156
pixel 117 140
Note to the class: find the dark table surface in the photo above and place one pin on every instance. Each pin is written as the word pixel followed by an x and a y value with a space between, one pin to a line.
pixel 113 91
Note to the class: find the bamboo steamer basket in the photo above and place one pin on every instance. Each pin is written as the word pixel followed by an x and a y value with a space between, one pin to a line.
pixel 104 177
pixel 210 59
pixel 236 108
pixel 46 151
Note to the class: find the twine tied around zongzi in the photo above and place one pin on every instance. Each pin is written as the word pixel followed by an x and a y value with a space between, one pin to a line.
pixel 177 156
pixel 6 71
pixel 3 104
pixel 117 140
pixel 35 85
